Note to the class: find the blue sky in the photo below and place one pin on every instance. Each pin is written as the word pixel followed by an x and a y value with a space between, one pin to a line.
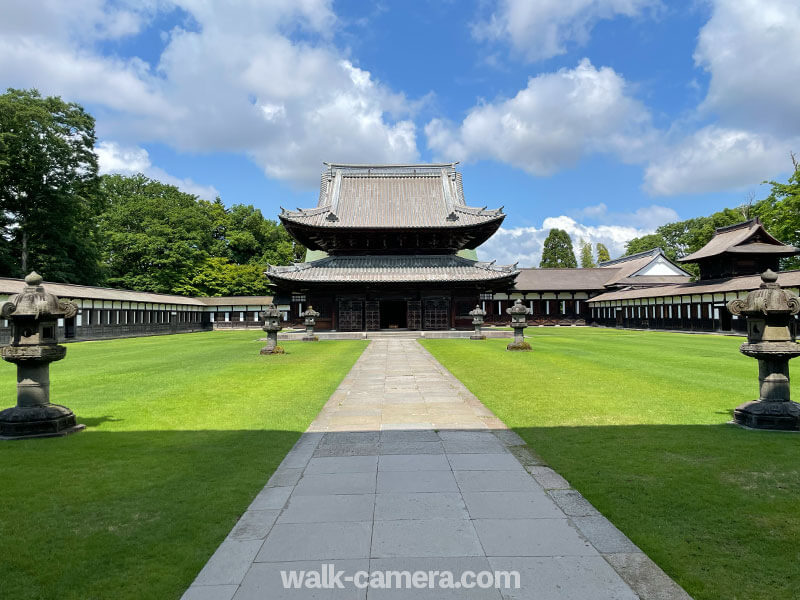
pixel 603 117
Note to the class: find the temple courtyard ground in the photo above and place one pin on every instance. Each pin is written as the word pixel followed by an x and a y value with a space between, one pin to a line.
pixel 403 466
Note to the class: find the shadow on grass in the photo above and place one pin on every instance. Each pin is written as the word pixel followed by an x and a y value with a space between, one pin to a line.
pixel 125 514
pixel 701 500
pixel 97 421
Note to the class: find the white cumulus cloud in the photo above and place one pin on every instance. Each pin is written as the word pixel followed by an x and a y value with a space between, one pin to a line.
pixel 231 77
pixel 551 124
pixel 524 244
pixel 539 29
pixel 128 160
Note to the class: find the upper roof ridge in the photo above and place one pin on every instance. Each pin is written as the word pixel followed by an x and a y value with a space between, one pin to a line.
pixel 652 252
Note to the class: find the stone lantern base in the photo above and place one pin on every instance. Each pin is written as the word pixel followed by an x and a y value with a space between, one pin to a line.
pixel 46 420
pixel 309 338
pixel 759 414
pixel 477 337
pixel 275 350
pixel 518 346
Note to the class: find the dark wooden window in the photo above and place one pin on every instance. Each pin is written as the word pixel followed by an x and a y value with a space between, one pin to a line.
pixel 350 315
pixel 414 314
pixel 436 313
pixel 372 315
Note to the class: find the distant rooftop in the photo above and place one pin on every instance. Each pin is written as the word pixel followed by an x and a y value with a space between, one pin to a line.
pixel 748 237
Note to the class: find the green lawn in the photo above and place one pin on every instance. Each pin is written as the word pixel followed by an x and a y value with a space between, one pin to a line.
pixel 636 422
pixel 182 432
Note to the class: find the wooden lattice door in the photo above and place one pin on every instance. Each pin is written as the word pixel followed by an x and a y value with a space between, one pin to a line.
pixel 350 315
pixel 372 315
pixel 437 313
pixel 414 314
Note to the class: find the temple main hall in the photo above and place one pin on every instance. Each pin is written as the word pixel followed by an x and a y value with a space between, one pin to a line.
pixel 391 247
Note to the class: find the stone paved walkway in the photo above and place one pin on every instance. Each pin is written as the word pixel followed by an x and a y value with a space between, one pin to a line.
pixel 404 469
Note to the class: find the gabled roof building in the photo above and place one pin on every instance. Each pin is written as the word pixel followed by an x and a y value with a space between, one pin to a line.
pixel 393 244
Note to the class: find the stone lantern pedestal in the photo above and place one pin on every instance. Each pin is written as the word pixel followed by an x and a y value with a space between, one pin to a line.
pixel 519 321
pixel 477 315
pixel 770 340
pixel 272 325
pixel 310 320
pixel 34 318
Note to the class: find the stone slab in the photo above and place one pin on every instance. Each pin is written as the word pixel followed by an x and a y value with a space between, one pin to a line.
pixel 316 541
pixel 531 537
pixel 419 506
pixel 427 537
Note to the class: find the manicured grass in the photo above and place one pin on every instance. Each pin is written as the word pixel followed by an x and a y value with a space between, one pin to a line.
pixel 636 422
pixel 182 432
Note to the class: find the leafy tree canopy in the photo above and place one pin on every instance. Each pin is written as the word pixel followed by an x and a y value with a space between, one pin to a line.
pixel 557 251
pixel 159 239
pixel 587 261
pixel 49 189
pixel 602 253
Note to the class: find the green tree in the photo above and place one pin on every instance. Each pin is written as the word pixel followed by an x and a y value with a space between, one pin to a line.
pixel 155 236
pixel 218 276
pixel 587 262
pixel 602 253
pixel 780 213
pixel 557 251
pixel 49 189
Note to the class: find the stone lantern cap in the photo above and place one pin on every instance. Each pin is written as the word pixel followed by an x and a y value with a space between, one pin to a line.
pixel 35 303
pixel 477 311
pixel 309 312
pixel 768 300
pixel 518 309
pixel 270 312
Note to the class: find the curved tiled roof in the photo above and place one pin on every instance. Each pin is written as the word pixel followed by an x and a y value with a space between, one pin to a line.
pixel 392 269
pixel 735 238
pixel 392 196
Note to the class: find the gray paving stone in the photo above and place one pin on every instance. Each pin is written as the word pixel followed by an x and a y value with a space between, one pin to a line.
pixel 429 537
pixel 430 505
pixel 531 537
pixel 508 437
pixel 563 578
pixel 229 563
pixel 413 462
pixel 467 436
pixel 328 508
pixel 496 481
pixel 335 483
pixel 349 437
pixel 284 477
pixel 457 566
pixel 603 535
pixel 411 448
pixel 346 450
pixel 548 478
pixel 316 541
pixel 511 505
pixel 484 462
pixel 416 481
pixel 479 447
pixel 646 577
pixel 264 582
pixel 342 464
pixel 210 592
pixel 254 525
pixel 270 498
pixel 573 503
pixel 526 456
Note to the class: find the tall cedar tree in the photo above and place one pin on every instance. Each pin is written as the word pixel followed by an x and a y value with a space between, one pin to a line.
pixel 558 251
pixel 587 261
pixel 602 253
pixel 49 189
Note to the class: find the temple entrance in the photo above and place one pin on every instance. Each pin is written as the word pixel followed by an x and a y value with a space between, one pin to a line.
pixel 393 314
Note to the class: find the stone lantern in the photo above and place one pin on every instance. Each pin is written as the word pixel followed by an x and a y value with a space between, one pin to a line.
pixel 477 320
pixel 771 340
pixel 272 325
pixel 519 321
pixel 309 320
pixel 34 316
